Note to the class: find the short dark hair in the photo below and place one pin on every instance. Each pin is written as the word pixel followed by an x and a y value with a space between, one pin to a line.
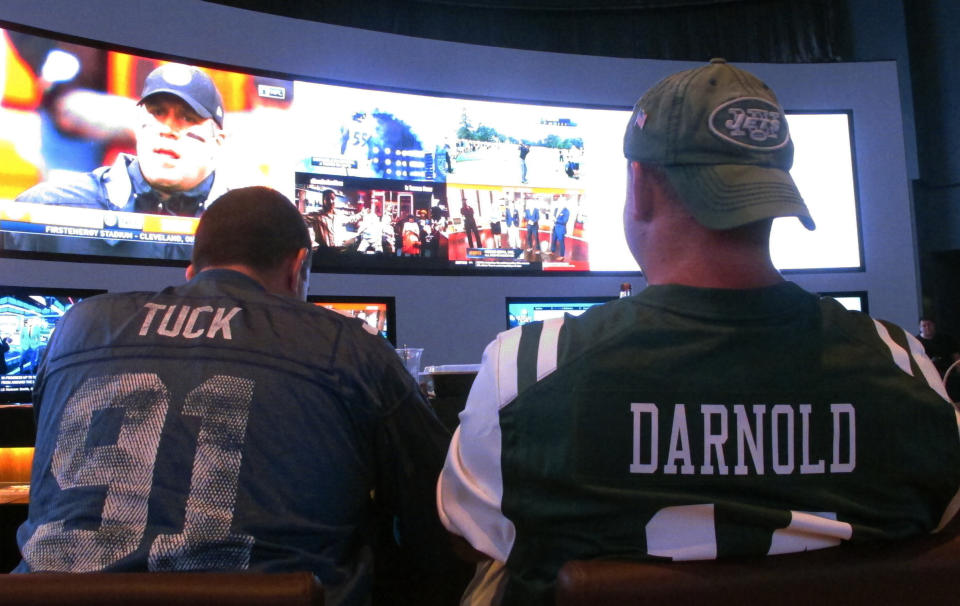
pixel 253 226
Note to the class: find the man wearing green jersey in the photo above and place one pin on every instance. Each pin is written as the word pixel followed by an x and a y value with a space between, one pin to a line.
pixel 721 411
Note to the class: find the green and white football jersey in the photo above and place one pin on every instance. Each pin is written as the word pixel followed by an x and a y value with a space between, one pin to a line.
pixel 687 423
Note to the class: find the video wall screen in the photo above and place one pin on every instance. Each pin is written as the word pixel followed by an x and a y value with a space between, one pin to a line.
pixel 28 317
pixel 521 310
pixel 379 314
pixel 853 300
pixel 387 181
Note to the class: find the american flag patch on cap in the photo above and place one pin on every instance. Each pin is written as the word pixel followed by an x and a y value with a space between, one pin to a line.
pixel 641 118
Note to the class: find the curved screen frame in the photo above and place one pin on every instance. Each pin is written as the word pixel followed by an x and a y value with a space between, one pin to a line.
pixel 485 264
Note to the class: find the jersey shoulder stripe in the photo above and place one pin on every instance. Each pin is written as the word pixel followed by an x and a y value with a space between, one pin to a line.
pixel 900 355
pixel 504 352
pixel 925 364
pixel 537 352
pixel 909 355
pixel 547 351
pixel 888 339
pixel 527 355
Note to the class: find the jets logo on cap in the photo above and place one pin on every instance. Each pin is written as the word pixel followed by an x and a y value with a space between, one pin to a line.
pixel 750 122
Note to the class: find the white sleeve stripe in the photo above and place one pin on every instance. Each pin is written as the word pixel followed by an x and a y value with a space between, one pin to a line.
pixel 926 366
pixel 900 355
pixel 469 506
pixel 470 488
pixel 547 348
pixel 683 532
pixel 808 531
pixel 954 504
pixel 507 367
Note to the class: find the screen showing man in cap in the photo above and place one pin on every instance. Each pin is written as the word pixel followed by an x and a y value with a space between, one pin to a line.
pixel 179 131
pixel 722 410
pixel 179 135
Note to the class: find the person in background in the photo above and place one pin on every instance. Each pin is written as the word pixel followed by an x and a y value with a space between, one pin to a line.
pixel 370 232
pixel 79 122
pixel 523 150
pixel 496 229
pixel 226 424
pixel 722 411
pixel 941 348
pixel 943 351
pixel 410 237
pixel 322 223
pixel 558 235
pixel 470 226
pixel 29 346
pixel 513 226
pixel 531 215
pixel 430 239
pixel 4 348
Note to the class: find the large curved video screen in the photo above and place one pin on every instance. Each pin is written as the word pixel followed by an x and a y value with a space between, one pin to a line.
pixel 387 181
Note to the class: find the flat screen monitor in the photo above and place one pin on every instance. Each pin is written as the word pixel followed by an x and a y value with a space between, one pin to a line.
pixel 854 300
pixel 379 314
pixel 387 181
pixel 521 310
pixel 28 317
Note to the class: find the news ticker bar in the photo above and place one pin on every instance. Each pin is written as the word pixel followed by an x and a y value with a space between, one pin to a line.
pixel 48 219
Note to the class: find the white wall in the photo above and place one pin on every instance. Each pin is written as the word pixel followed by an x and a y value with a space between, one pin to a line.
pixel 454 317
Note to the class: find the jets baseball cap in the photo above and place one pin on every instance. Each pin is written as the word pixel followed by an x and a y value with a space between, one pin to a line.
pixel 720 136
pixel 190 84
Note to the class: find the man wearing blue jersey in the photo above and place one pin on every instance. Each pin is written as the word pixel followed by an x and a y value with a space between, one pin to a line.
pixel 721 411
pixel 226 424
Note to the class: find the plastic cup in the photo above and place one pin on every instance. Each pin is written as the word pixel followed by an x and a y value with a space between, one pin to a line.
pixel 411 359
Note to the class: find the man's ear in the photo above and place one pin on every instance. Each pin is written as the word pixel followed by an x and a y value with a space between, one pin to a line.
pixel 644 192
pixel 634 187
pixel 298 271
pixel 190 273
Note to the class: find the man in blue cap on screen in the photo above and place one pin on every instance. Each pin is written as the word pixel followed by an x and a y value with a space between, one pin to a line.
pixel 179 130
pixel 721 411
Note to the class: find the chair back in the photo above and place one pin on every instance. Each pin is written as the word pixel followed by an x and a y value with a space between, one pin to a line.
pixel 161 589
pixel 924 571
